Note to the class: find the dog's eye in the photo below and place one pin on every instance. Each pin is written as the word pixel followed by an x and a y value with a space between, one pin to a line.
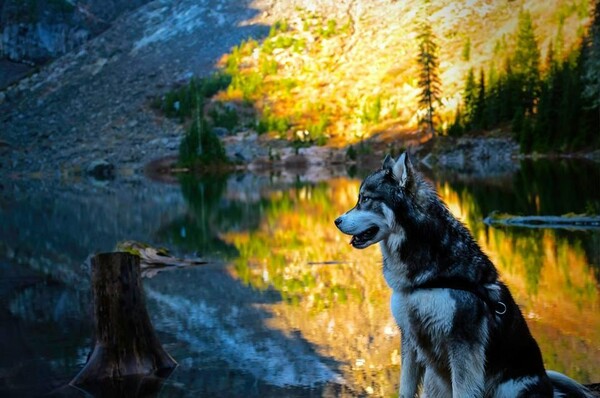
pixel 364 199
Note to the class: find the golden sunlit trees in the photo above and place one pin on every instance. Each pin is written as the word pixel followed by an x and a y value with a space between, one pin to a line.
pixel 429 81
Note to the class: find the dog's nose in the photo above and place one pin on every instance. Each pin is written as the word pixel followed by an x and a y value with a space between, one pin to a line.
pixel 338 221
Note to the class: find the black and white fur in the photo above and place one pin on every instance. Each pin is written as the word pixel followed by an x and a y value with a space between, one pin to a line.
pixel 462 333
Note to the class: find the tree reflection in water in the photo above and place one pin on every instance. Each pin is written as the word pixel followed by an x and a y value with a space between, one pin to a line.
pixel 290 308
pixel 336 298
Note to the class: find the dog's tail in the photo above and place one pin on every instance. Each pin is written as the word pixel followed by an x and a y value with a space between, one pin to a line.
pixel 564 387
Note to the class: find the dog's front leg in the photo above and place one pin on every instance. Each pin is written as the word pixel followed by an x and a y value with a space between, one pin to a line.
pixel 467 365
pixel 411 372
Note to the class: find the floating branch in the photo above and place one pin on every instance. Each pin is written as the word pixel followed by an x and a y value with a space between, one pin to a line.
pixel 567 221
pixel 154 260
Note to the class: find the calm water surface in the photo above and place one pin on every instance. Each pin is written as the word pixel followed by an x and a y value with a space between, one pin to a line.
pixel 288 308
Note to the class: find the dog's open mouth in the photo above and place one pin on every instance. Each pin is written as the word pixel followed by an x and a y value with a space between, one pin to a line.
pixel 359 240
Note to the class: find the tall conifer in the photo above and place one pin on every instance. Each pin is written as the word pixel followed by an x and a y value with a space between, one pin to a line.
pixel 429 81
pixel 470 100
pixel 526 62
pixel 592 64
pixel 480 105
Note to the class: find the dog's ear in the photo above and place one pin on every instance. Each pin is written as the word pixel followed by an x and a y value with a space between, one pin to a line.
pixel 403 170
pixel 388 163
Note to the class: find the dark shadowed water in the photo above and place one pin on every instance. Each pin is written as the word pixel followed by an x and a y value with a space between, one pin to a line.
pixel 287 308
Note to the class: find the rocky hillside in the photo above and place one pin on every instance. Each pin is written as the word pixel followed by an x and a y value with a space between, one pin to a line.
pixel 352 69
pixel 34 31
pixel 93 103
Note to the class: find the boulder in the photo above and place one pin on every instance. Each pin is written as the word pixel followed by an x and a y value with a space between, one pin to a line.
pixel 101 170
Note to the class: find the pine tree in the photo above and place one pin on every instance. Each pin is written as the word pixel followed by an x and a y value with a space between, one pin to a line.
pixel 429 81
pixel 456 129
pixel 542 127
pixel 551 62
pixel 570 105
pixel 560 43
pixel 466 52
pixel 479 117
pixel 469 100
pixel 526 62
pixel 591 76
pixel 200 146
pixel 492 101
pixel 509 93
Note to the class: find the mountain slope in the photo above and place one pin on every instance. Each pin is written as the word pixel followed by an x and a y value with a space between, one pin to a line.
pixel 355 68
pixel 352 73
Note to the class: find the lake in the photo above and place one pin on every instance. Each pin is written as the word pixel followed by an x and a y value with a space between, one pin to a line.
pixel 286 307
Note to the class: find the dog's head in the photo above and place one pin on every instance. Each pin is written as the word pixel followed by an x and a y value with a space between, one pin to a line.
pixel 382 193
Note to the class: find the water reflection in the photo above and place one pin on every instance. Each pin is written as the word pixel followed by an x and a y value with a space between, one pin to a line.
pixel 197 230
pixel 289 308
pixel 553 275
pixel 342 305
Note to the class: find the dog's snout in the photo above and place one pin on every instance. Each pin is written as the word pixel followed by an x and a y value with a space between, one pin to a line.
pixel 338 221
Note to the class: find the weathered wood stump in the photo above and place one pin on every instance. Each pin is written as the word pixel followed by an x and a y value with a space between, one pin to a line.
pixel 126 344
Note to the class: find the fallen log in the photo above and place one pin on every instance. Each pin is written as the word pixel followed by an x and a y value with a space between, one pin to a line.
pixel 126 345
pixel 567 221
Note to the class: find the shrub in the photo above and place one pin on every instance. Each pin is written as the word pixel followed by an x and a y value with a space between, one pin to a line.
pixel 200 147
pixel 224 116
pixel 351 153
pixel 183 101
pixel 278 27
pixel 268 66
pixel 330 30
pixel 269 122
pixel 317 131
pixel 249 84
pixel 371 111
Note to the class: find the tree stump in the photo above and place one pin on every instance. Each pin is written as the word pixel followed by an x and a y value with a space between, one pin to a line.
pixel 126 344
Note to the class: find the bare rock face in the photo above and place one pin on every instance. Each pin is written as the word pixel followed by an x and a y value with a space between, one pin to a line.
pixel 37 31
pixel 476 156
pixel 93 102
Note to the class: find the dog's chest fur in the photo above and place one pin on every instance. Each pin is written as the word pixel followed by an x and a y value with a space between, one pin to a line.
pixel 426 316
pixel 426 320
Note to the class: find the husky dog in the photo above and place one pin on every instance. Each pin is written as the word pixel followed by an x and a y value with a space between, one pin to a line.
pixel 462 333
